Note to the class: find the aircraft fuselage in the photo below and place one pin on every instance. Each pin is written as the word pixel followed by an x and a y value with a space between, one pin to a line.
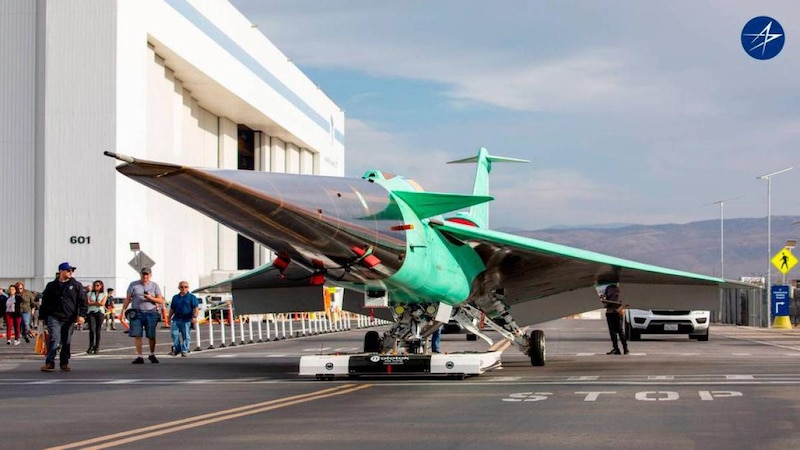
pixel 354 230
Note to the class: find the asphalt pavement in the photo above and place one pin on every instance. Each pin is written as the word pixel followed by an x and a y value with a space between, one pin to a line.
pixel 738 390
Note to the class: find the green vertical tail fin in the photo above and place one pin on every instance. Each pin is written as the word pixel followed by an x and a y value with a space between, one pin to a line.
pixel 480 213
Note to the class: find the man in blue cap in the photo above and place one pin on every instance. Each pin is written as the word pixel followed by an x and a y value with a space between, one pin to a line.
pixel 63 304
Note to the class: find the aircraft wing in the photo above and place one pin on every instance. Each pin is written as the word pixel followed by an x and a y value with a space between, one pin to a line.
pixel 545 281
pixel 266 290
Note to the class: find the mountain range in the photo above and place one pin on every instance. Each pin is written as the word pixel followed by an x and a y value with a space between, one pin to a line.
pixel 693 247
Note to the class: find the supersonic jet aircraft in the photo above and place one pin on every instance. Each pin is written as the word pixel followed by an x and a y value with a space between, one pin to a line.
pixel 382 236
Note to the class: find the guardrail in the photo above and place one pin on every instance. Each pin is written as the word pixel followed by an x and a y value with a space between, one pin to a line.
pixel 254 328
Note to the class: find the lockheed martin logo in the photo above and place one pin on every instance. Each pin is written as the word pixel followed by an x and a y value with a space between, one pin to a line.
pixel 763 37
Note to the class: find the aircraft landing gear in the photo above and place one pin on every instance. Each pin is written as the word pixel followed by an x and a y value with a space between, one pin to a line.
pixel 537 350
pixel 532 345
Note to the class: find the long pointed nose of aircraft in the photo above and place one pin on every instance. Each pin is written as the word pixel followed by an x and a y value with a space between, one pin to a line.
pixel 314 215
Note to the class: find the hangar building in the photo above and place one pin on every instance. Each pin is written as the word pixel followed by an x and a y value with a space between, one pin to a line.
pixel 182 81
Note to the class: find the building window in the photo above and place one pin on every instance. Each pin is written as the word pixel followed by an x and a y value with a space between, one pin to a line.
pixel 246 248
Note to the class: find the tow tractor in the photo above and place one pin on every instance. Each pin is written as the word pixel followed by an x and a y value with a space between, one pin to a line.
pixel 457 365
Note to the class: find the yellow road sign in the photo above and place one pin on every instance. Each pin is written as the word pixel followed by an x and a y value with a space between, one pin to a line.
pixel 784 260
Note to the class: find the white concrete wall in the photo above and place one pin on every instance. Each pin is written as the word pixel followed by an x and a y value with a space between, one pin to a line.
pixel 265 91
pixel 79 116
pixel 166 80
pixel 17 139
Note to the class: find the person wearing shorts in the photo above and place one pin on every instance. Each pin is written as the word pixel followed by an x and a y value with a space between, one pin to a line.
pixel 144 297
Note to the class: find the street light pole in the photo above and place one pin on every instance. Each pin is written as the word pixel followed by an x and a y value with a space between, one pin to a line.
pixel 721 204
pixel 768 177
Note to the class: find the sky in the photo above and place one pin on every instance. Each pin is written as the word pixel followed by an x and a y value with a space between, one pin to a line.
pixel 630 112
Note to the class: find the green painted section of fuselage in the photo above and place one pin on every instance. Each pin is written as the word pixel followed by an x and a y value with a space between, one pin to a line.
pixel 434 269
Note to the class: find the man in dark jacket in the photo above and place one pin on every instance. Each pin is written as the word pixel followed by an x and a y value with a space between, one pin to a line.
pixel 614 318
pixel 63 304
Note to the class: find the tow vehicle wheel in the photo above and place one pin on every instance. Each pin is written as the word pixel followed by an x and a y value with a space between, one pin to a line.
pixel 537 351
pixel 372 342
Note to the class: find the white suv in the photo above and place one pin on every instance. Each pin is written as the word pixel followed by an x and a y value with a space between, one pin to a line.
pixel 667 321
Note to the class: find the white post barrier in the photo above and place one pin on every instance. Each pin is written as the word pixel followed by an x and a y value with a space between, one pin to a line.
pixel 222 328
pixel 291 324
pixel 275 323
pixel 210 330
pixel 283 326
pixel 197 333
pixel 250 327
pixel 260 337
pixel 233 325
pixel 241 329
pixel 303 323
pixel 267 326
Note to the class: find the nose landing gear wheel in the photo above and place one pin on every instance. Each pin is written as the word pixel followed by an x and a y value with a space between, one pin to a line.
pixel 537 352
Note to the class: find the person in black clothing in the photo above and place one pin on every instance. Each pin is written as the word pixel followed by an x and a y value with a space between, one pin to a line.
pixel 63 304
pixel 614 318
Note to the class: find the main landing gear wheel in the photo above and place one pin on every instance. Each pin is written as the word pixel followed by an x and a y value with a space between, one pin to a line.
pixel 537 350
pixel 372 342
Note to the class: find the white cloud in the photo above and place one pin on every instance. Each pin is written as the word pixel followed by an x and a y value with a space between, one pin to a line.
pixel 659 99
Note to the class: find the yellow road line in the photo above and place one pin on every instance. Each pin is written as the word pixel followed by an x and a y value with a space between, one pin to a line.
pixel 138 434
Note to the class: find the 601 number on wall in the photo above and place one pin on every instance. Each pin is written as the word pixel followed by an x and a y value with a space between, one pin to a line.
pixel 80 239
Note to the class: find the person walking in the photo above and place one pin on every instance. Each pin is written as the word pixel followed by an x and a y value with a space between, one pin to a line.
pixel 110 317
pixel 13 315
pixel 96 312
pixel 144 296
pixel 26 307
pixel 614 318
pixel 436 340
pixel 183 314
pixel 37 303
pixel 63 304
